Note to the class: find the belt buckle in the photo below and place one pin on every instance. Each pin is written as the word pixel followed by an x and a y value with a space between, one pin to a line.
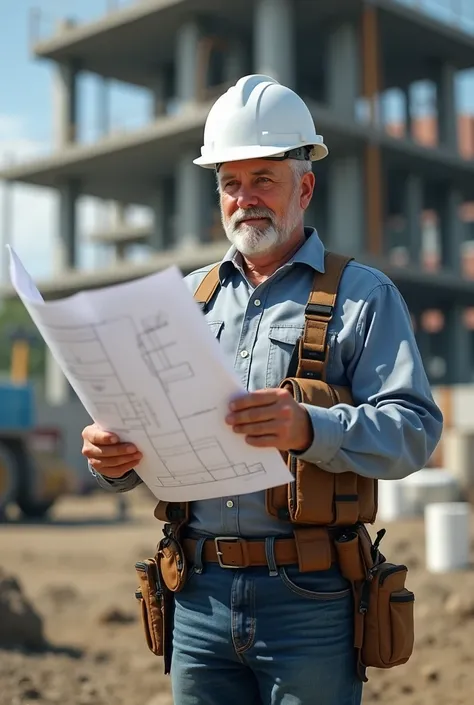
pixel 233 539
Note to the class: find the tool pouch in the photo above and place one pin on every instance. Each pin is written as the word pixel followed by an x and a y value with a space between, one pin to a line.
pixel 383 606
pixel 172 561
pixel 156 606
pixel 317 497
pixel 350 556
pixel 386 608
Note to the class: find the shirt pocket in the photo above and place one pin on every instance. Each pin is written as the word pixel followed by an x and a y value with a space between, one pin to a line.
pixel 282 341
pixel 216 328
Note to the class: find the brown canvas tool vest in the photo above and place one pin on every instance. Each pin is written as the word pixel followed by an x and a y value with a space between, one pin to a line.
pixel 316 497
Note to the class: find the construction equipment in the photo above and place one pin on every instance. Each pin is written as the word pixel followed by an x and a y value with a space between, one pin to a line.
pixel 32 472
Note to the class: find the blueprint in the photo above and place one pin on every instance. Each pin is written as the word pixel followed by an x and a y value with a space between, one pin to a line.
pixel 144 364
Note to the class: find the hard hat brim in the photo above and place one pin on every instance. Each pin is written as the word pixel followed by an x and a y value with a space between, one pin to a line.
pixel 239 154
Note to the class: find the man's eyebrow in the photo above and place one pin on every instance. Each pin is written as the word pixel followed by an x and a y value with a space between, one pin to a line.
pixel 258 172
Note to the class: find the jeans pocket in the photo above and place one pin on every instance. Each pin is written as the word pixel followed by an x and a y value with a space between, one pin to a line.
pixel 318 585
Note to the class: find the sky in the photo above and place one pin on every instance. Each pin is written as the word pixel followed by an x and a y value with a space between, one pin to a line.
pixel 26 122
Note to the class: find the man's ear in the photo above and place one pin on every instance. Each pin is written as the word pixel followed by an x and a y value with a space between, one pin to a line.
pixel 307 189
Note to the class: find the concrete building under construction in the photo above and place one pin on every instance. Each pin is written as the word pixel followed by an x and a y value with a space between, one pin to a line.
pixel 381 195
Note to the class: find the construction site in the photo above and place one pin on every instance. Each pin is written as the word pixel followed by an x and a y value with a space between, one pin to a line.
pixel 381 79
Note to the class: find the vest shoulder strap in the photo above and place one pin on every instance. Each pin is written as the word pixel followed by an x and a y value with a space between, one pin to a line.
pixel 312 358
pixel 208 287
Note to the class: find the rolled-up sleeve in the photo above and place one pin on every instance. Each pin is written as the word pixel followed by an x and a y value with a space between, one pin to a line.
pixel 394 425
pixel 120 484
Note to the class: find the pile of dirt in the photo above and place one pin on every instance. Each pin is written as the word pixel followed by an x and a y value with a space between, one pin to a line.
pixel 20 625
pixel 78 580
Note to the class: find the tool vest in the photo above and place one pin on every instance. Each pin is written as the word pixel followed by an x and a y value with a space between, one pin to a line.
pixel 316 497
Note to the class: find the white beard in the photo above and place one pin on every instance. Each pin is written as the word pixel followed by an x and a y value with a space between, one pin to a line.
pixel 252 240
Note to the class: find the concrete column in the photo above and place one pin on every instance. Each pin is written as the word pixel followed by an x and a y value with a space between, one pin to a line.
pixel 162 206
pixel 345 205
pixel 65 105
pixel 103 107
pixel 186 48
pixel 67 235
pixel 451 226
pixel 458 349
pixel 446 99
pixel 343 70
pixel 192 201
pixel 408 116
pixel 413 201
pixel 57 390
pixel 274 40
pixel 159 94
pixel 235 62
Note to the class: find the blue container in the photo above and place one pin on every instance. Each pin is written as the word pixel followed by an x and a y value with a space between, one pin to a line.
pixel 17 407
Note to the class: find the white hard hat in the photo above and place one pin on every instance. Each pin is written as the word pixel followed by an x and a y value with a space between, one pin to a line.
pixel 259 118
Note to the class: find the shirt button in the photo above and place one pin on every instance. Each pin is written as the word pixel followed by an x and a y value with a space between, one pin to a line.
pixel 244 353
pixel 229 504
pixel 257 302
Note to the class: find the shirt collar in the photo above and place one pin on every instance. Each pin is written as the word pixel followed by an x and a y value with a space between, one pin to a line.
pixel 311 253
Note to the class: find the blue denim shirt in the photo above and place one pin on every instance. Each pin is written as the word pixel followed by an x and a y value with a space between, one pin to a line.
pixel 395 424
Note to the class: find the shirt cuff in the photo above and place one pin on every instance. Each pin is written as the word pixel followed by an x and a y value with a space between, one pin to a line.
pixel 327 436
pixel 118 484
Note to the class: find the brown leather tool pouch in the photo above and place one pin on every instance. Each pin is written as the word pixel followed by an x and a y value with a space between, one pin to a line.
pixel 313 547
pixel 317 497
pixel 156 607
pixel 172 562
pixel 386 608
pixel 350 557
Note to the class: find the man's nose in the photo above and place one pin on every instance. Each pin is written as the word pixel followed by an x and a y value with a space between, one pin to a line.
pixel 246 198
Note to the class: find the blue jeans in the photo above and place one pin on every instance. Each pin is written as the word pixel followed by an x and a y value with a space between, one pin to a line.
pixel 245 637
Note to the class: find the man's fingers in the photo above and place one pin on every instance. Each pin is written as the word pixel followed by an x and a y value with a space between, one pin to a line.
pixel 259 414
pixel 113 472
pixel 97 436
pixel 262 397
pixel 115 465
pixel 255 414
pixel 262 441
pixel 101 438
pixel 120 450
pixel 271 428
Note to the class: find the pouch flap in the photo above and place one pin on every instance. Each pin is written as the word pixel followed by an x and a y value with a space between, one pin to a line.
pixel 316 392
pixel 314 549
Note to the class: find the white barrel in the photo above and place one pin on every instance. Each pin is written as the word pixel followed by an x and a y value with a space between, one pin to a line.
pixel 447 536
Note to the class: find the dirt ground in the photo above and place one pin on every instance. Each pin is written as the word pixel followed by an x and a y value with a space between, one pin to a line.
pixel 78 573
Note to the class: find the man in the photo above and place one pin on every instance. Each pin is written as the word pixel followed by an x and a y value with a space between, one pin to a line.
pixel 271 634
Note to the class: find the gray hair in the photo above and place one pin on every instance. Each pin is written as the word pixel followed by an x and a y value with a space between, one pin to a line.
pixel 300 168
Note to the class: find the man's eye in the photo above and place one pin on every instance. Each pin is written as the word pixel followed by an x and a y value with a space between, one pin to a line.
pixel 264 179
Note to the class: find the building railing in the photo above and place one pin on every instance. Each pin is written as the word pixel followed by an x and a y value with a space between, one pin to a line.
pixel 459 13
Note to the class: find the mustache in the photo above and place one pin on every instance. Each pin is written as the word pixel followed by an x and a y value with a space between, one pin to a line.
pixel 239 216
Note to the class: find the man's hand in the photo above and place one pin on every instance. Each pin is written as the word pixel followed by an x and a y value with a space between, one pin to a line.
pixel 106 454
pixel 271 418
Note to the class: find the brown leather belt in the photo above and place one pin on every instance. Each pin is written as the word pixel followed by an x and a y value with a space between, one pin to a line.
pixel 234 552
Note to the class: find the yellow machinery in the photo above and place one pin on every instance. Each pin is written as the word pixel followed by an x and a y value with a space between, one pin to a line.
pixel 32 472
